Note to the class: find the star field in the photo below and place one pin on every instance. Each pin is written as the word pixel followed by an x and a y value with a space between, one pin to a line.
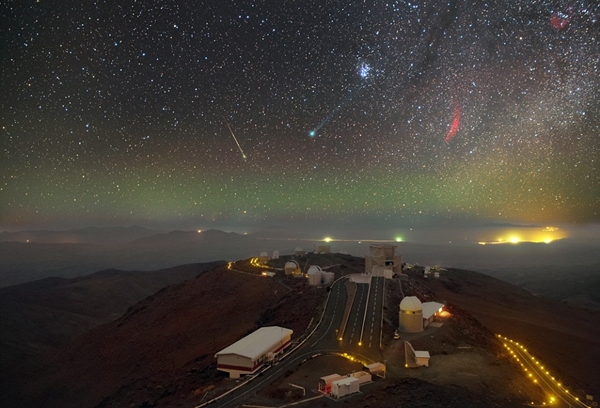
pixel 118 112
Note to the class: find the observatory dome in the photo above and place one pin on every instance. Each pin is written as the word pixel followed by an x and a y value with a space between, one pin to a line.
pixel 314 269
pixel 315 275
pixel 411 303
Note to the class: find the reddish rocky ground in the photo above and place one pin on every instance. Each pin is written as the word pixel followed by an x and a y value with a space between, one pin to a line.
pixel 161 351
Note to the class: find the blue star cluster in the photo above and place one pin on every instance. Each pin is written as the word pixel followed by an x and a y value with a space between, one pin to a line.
pixel 118 112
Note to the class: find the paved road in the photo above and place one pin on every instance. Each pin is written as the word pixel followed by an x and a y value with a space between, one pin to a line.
pixel 371 333
pixel 557 395
pixel 325 337
pixel 354 326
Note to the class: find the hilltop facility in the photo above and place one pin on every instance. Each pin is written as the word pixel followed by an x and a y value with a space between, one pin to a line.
pixel 383 261
pixel 248 354
pixel 414 316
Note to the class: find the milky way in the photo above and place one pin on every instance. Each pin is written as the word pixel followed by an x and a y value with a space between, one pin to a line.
pixel 114 112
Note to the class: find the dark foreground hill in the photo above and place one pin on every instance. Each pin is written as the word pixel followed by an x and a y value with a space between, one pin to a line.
pixel 162 345
pixel 43 314
pixel 160 352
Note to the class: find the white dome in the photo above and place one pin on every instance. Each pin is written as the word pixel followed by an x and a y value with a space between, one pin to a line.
pixel 411 303
pixel 291 264
pixel 314 269
pixel 298 249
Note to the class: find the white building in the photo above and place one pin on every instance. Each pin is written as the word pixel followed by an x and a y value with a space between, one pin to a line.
pixel 325 382
pixel 411 315
pixel 314 275
pixel 384 257
pixel 430 311
pixel 415 358
pixel 345 386
pixel 362 377
pixel 415 316
pixel 275 254
pixel 377 369
pixel 328 277
pixel 248 354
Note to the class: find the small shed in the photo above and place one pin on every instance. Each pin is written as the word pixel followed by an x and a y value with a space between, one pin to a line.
pixel 375 369
pixel 325 382
pixel 422 358
pixel 430 311
pixel 362 377
pixel 345 386
pixel 415 358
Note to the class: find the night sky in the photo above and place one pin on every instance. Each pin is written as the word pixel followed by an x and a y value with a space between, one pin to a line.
pixel 389 112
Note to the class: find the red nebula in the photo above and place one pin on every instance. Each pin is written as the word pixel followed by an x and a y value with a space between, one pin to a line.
pixel 455 123
pixel 561 19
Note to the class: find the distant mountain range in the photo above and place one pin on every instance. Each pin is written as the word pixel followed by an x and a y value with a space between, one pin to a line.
pixel 88 235
pixel 33 255
pixel 565 270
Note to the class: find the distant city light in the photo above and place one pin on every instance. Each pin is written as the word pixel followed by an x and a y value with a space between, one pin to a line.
pixel 327 239
pixel 199 231
pixel 399 239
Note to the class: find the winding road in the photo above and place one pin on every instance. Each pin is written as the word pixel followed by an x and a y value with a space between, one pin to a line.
pixel 362 338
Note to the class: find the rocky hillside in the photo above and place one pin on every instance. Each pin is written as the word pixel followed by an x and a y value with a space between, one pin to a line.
pixel 161 351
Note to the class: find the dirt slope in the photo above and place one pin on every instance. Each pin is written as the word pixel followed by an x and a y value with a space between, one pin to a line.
pixel 564 337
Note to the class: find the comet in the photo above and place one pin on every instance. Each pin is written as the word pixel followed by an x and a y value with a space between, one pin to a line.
pixel 236 141
pixel 455 123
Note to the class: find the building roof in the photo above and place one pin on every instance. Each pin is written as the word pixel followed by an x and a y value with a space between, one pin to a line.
pixel 331 377
pixel 430 308
pixel 411 303
pixel 422 354
pixel 258 343
pixel 314 269
pixel 346 381
pixel 376 367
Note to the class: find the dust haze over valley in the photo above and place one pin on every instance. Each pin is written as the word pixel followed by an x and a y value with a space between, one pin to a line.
pixel 566 269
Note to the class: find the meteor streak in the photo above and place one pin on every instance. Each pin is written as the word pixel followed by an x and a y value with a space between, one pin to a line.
pixel 236 141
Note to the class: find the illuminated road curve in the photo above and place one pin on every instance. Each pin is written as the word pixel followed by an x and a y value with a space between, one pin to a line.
pixel 558 395
pixel 323 340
